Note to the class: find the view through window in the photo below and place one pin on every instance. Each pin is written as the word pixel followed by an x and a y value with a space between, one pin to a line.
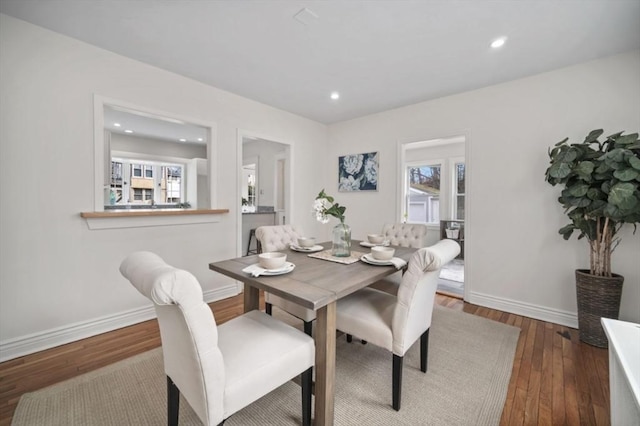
pixel 459 191
pixel 423 199
pixel 147 183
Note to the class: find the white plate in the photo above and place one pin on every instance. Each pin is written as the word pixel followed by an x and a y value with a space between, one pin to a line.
pixel 311 249
pixel 368 244
pixel 367 258
pixel 285 269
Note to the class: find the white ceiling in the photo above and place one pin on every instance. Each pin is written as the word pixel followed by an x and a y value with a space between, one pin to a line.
pixel 378 54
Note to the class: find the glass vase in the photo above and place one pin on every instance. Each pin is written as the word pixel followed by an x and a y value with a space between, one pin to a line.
pixel 341 241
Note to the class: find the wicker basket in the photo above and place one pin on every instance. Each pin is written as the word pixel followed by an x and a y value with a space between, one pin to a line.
pixel 598 297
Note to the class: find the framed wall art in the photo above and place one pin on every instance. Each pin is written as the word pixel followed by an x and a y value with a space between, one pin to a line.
pixel 358 172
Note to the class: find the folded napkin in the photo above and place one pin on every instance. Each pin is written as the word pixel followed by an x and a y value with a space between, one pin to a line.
pixel 397 262
pixel 255 270
pixel 368 244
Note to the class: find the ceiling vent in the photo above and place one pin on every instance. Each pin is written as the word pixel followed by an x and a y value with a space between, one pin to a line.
pixel 305 16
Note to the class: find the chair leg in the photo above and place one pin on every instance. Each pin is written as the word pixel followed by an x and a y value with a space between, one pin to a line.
pixel 173 402
pixel 308 328
pixel 306 381
pixel 349 338
pixel 424 349
pixel 397 381
pixel 268 308
pixel 364 342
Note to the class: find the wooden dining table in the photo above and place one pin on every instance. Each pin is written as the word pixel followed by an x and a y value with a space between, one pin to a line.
pixel 316 284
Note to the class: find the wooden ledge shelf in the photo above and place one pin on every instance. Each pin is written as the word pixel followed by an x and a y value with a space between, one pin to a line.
pixel 114 219
pixel 151 212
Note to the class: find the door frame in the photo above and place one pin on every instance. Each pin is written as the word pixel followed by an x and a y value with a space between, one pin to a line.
pixel 435 140
pixel 243 134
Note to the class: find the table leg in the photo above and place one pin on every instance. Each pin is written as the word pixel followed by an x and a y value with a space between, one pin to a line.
pixel 325 364
pixel 251 298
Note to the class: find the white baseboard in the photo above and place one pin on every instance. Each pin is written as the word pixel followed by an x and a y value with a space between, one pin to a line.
pixel 556 316
pixel 25 345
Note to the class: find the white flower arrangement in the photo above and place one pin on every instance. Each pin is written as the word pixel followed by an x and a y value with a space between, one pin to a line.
pixel 324 206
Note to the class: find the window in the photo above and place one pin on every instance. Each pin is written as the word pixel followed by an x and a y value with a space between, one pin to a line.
pixel 133 182
pixel 140 194
pixel 423 193
pixel 198 156
pixel 458 190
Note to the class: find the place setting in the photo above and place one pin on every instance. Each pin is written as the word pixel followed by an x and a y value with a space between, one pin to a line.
pixel 306 245
pixel 374 240
pixel 272 263
pixel 383 256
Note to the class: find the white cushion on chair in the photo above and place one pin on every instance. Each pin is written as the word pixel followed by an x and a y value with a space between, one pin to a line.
pixel 367 314
pixel 278 353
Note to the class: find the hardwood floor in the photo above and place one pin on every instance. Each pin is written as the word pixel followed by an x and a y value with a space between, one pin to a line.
pixel 556 379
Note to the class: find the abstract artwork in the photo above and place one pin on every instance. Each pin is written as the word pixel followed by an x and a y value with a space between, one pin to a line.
pixel 358 172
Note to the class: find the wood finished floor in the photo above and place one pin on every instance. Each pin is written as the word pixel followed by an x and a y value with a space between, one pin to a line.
pixel 556 379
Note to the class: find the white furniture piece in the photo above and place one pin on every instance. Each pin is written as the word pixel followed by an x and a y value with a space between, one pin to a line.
pixel 276 238
pixel 405 234
pixel 624 371
pixel 218 369
pixel 401 235
pixel 396 322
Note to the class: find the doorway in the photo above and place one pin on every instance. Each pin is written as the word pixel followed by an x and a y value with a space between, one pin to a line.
pixel 433 193
pixel 264 186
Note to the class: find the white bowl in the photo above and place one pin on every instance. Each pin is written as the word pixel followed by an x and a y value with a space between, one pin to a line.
pixel 306 242
pixel 382 253
pixel 272 260
pixel 375 238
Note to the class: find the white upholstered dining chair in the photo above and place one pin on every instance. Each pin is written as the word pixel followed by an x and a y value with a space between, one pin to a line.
pixel 218 369
pixel 403 235
pixel 274 238
pixel 396 322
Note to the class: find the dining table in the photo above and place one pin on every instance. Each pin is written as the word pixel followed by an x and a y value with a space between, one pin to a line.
pixel 317 284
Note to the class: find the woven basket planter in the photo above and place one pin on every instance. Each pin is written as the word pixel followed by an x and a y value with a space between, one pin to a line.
pixel 598 297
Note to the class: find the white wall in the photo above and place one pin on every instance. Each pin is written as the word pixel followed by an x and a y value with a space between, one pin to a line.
pixel 515 258
pixel 58 279
pixel 266 152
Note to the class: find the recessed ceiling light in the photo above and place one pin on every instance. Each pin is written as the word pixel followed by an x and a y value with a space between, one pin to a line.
pixel 128 131
pixel 182 140
pixel 116 124
pixel 200 139
pixel 499 42
pixel 335 95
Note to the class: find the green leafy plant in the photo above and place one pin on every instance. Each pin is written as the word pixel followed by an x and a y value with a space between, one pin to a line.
pixel 601 190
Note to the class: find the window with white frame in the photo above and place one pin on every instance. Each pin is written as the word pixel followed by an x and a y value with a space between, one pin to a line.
pixel 459 189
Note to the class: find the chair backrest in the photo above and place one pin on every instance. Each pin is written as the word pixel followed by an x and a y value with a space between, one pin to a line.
pixel 188 331
pixel 405 234
pixel 416 295
pixel 278 237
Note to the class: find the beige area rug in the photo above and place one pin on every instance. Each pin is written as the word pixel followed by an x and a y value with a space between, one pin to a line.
pixel 469 367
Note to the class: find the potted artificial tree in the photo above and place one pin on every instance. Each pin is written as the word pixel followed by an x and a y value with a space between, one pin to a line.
pixel 601 193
